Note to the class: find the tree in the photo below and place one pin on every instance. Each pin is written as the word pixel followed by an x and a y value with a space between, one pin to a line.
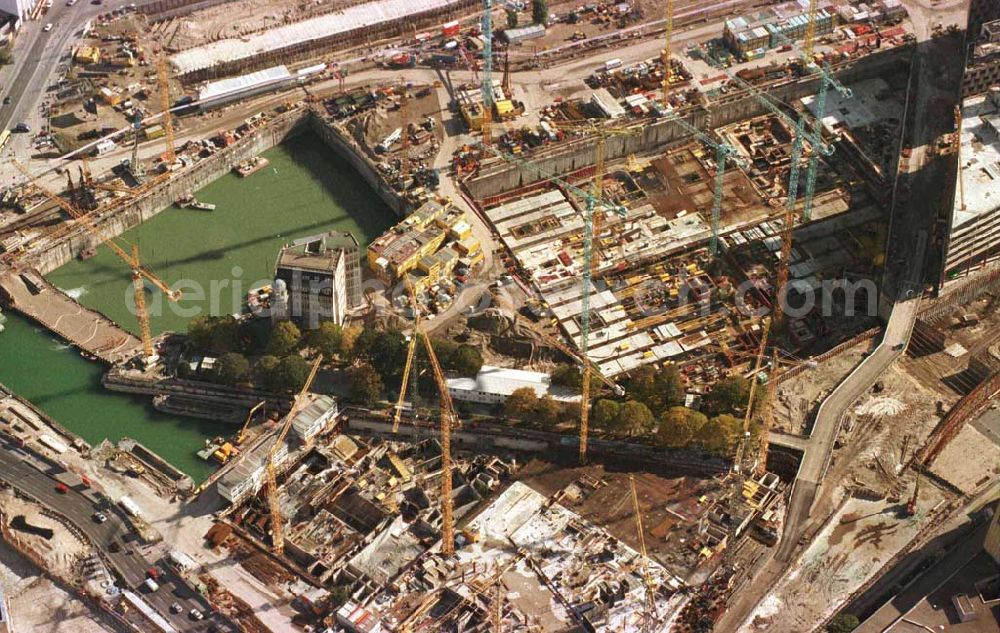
pixel 384 350
pixel 658 389
pixel 521 403
pixel 635 417
pixel 843 623
pixel 289 374
pixel 678 426
pixel 199 331
pixel 326 339
pixel 211 334
pixel 5 56
pixel 285 338
pixel 547 411
pixel 466 361
pixel 265 365
pixel 729 395
pixel 567 376
pixel 348 336
pixel 365 384
pixel 540 11
pixel 606 414
pixel 720 434
pixel 445 351
pixel 232 368
pixel 511 19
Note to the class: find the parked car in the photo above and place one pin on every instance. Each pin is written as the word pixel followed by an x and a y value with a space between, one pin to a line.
pixel 176 607
pixel 196 614
pixel 47 27
pixel 6 100
pixel 100 517
pixel 62 488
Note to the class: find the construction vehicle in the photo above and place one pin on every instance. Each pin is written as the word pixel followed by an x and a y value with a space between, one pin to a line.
pixel 911 504
pixel 241 435
pixel 140 274
pixel 271 469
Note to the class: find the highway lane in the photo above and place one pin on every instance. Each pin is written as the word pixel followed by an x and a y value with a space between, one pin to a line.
pixel 23 471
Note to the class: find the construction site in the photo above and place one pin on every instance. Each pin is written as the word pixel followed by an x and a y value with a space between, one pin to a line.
pixel 699 191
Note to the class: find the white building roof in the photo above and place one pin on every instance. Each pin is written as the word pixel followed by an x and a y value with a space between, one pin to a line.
pixel 315 410
pixel 320 27
pixel 236 85
pixel 503 382
pixel 980 164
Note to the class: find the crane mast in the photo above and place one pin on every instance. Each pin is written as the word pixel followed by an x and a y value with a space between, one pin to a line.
pixel 448 416
pixel 168 124
pixel 140 274
pixel 666 53
pixel 271 483
pixel 650 615
pixel 487 86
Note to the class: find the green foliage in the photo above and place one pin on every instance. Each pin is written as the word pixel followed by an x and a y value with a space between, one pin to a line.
pixel 843 623
pixel 287 374
pixel 521 403
pixel 348 337
pixel 5 56
pixel 657 388
pixel 729 395
pixel 326 339
pixel 605 414
pixel 285 339
pixel 211 334
pixel 467 361
pixel 548 411
pixel 384 350
pixel 720 434
pixel 232 368
pixel 540 11
pixel 678 426
pixel 365 384
pixel 635 418
pixel 511 19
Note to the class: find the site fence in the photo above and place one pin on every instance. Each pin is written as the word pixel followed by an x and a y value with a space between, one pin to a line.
pixel 867 335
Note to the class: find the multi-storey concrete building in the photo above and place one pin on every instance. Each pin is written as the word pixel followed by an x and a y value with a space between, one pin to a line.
pixel 974 231
pixel 317 279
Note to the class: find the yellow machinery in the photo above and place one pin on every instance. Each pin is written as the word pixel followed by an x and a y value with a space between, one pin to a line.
pixel 738 474
pixel 243 431
pixel 166 121
pixel 602 134
pixel 410 353
pixel 273 501
pixel 668 35
pixel 140 273
pixel 809 42
pixel 448 417
pixel 650 616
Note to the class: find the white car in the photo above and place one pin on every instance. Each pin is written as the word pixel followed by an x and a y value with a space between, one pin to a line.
pixel 196 614
pixel 70 3
pixel 47 27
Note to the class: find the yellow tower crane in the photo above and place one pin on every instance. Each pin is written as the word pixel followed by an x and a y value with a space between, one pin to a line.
pixel 140 274
pixel 408 367
pixel 166 120
pixel 602 134
pixel 809 42
pixel 667 53
pixel 404 142
pixel 271 470
pixel 766 413
pixel 650 616
pixel 448 417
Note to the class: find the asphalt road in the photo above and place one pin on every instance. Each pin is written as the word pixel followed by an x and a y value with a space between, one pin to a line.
pixel 37 54
pixel 23 471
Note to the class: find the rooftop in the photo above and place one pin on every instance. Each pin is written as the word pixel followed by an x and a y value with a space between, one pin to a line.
pixel 503 381
pixel 324 26
pixel 980 166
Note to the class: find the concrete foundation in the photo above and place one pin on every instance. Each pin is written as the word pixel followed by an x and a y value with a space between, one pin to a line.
pixel 657 134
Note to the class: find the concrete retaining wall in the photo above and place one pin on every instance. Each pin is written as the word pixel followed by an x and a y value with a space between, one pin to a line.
pixel 657 134
pixel 209 169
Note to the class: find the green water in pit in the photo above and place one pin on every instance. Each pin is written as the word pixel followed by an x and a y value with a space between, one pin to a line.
pixel 307 189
